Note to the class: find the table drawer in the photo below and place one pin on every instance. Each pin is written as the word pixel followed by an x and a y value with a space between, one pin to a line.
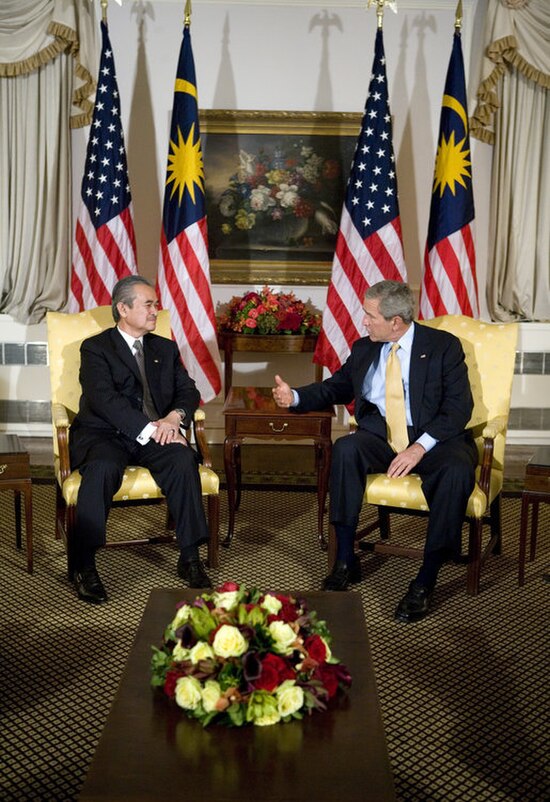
pixel 14 467
pixel 538 483
pixel 278 426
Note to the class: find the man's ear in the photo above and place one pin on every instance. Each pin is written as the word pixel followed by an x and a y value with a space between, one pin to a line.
pixel 121 307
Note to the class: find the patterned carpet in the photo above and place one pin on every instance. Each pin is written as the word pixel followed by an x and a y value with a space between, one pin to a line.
pixel 462 693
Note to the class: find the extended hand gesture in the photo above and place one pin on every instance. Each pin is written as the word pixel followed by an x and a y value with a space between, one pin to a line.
pixel 282 393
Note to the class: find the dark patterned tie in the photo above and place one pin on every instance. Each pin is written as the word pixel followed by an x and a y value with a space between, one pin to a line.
pixel 148 405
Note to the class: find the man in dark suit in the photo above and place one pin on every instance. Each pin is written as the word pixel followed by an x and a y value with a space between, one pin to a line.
pixel 437 405
pixel 126 418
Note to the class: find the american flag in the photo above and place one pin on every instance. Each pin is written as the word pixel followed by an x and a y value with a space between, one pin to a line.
pixel 369 247
pixel 184 269
pixel 449 283
pixel 105 245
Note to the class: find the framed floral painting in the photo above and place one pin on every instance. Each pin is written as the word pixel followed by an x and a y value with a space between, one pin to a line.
pixel 275 185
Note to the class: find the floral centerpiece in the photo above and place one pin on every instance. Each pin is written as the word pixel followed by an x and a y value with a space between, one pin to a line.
pixel 269 312
pixel 239 656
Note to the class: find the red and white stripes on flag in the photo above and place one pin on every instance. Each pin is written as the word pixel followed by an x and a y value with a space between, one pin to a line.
pixel 449 283
pixel 105 245
pixel 369 244
pixel 184 269
pixel 184 288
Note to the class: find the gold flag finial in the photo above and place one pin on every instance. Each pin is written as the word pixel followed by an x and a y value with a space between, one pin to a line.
pixel 187 13
pixel 458 17
pixel 104 4
pixel 380 5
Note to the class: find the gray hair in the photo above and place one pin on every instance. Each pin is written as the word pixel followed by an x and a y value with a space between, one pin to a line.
pixel 124 292
pixel 395 299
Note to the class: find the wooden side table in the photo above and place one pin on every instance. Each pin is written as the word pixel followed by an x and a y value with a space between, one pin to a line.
pixel 252 412
pixel 536 489
pixel 230 342
pixel 15 474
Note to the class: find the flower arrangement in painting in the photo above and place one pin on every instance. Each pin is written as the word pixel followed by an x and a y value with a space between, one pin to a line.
pixel 290 183
pixel 238 656
pixel 269 312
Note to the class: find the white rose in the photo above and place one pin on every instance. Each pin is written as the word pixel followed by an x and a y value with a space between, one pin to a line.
pixel 289 698
pixel 188 693
pixel 211 693
pixel 260 199
pixel 268 719
pixel 271 604
pixel 226 600
pixel 201 651
pixel 179 653
pixel 182 616
pixel 283 635
pixel 228 642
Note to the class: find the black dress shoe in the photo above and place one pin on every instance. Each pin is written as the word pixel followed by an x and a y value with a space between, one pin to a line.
pixel 341 575
pixel 193 572
pixel 89 586
pixel 415 604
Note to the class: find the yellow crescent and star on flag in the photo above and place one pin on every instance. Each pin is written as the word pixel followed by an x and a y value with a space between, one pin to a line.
pixel 453 159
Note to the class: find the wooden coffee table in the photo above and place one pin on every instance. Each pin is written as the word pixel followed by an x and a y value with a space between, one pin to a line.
pixel 252 412
pixel 150 750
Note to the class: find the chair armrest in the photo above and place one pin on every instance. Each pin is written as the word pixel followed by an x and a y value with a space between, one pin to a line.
pixel 200 438
pixel 495 426
pixel 61 424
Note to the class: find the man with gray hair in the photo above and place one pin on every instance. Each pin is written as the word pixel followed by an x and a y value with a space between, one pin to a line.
pixel 412 404
pixel 137 399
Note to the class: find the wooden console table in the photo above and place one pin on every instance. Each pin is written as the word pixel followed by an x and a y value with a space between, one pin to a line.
pixel 536 489
pixel 252 412
pixel 231 342
pixel 15 474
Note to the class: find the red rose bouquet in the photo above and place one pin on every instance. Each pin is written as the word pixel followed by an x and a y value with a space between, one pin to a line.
pixel 239 656
pixel 269 312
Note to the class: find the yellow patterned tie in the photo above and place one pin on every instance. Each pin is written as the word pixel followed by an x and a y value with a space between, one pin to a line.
pixel 396 417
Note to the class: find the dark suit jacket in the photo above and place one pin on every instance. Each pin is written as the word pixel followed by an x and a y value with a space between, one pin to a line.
pixel 440 396
pixel 112 392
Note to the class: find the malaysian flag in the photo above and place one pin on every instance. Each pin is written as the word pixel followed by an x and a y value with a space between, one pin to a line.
pixel 369 247
pixel 449 283
pixel 184 270
pixel 105 245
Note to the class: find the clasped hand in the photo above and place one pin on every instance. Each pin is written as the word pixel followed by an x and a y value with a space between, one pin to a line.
pixel 167 430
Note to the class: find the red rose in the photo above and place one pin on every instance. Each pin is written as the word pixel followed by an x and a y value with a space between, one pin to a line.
pixel 274 671
pixel 328 676
pixel 228 587
pixel 290 321
pixel 170 682
pixel 316 648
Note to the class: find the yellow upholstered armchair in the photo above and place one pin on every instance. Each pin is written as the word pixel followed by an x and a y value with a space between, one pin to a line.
pixel 490 355
pixel 65 335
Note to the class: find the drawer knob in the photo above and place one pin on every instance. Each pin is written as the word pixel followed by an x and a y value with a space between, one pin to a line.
pixel 275 429
pixel 3 468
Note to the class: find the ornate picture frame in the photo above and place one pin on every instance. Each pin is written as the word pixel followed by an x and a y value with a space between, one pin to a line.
pixel 275 184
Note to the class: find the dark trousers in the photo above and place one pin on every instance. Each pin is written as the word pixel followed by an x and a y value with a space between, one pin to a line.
pixel 447 473
pixel 174 467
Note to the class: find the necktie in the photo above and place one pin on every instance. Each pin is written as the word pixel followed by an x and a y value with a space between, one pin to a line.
pixel 396 417
pixel 148 403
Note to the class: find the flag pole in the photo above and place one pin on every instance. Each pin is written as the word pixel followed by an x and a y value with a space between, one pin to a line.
pixel 380 13
pixel 458 17
pixel 104 4
pixel 187 14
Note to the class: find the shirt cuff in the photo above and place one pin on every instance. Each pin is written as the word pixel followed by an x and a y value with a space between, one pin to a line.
pixel 296 400
pixel 145 435
pixel 427 441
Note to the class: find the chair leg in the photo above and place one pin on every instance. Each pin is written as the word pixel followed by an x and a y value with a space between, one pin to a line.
pixel 213 529
pixel 384 517
pixel 474 557
pixel 60 512
pixel 70 536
